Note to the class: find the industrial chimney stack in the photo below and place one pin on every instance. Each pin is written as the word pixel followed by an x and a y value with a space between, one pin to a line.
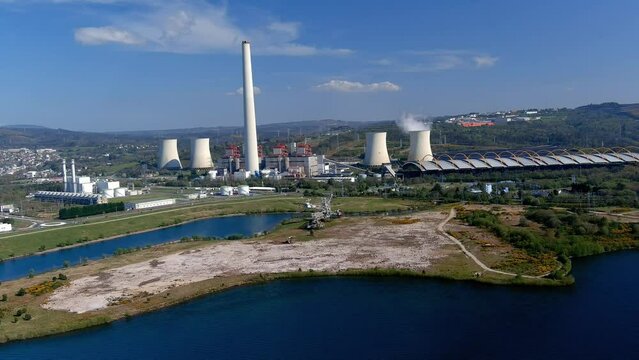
pixel 252 161
pixel 73 180
pixel 65 181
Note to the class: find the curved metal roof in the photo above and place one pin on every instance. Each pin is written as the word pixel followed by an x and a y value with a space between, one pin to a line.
pixel 493 163
pixel 527 158
pixel 525 161
pixel 579 159
pixel 510 162
pixel 445 165
pixel 430 166
pixel 565 160
pixel 549 161
pixel 478 164
pixel 461 164
pixel 595 159
pixel 610 158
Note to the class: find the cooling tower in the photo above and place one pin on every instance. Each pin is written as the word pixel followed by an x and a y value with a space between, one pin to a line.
pixel 252 161
pixel 420 150
pixel 201 154
pixel 376 152
pixel 168 157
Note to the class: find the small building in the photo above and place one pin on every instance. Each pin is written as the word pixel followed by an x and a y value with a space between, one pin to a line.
pixel 107 185
pixel 8 208
pixel 70 198
pixel 148 204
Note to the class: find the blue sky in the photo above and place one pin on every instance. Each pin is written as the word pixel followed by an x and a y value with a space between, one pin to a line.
pixel 161 64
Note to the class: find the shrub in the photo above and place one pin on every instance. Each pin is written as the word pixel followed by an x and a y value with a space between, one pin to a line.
pixel 26 317
pixel 21 292
pixel 62 276
pixel 4 297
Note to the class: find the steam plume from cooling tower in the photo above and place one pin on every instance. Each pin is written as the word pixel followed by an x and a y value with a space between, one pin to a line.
pixel 411 122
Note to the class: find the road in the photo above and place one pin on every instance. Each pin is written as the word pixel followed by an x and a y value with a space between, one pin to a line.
pixel 149 213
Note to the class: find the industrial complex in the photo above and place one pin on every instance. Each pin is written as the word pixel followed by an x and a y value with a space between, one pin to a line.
pixel 298 160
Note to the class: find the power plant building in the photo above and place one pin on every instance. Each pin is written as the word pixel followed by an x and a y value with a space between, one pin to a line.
pixel 519 159
pixel 168 157
pixel 70 198
pixel 148 204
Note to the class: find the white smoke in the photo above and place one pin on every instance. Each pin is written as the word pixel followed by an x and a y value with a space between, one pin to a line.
pixel 411 122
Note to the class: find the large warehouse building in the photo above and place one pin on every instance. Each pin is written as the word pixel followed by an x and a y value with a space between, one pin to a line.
pixel 521 159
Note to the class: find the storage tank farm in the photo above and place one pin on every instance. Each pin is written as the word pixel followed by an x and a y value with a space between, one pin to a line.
pixel 420 149
pixel 200 154
pixel 168 157
pixel 376 151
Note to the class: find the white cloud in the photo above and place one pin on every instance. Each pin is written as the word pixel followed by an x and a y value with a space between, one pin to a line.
pixel 442 60
pixel 353 86
pixel 195 26
pixel 105 35
pixel 240 91
pixel 288 28
pixel 383 62
pixel 483 61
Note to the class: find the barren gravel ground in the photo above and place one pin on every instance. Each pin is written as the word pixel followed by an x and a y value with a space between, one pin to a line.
pixel 370 243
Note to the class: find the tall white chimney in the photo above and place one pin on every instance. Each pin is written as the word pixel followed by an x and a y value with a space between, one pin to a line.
pixel 65 181
pixel 420 150
pixel 74 186
pixel 252 161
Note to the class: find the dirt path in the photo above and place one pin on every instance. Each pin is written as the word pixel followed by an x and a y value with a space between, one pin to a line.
pixel 371 243
pixel 441 230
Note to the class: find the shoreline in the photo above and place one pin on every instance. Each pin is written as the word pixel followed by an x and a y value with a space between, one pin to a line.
pixel 256 279
pixel 136 233
pixel 50 316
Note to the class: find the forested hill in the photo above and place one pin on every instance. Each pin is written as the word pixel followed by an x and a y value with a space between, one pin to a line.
pixel 607 125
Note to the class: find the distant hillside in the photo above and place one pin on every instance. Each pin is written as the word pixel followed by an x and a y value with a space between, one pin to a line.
pixel 607 124
pixel 14 136
pixel 309 127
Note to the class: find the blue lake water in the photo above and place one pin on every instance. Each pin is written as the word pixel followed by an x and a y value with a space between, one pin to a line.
pixel 379 318
pixel 219 227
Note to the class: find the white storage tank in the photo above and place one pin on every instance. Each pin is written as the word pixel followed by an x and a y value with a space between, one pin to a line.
pixel 120 192
pixel 243 190
pixel 226 190
pixel 108 193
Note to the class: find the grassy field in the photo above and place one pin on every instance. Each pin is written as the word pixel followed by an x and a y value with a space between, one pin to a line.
pixel 100 228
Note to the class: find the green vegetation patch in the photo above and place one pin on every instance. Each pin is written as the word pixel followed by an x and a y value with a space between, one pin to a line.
pixel 559 232
pixel 81 211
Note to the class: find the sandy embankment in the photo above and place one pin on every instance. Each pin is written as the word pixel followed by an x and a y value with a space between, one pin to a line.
pixel 362 246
